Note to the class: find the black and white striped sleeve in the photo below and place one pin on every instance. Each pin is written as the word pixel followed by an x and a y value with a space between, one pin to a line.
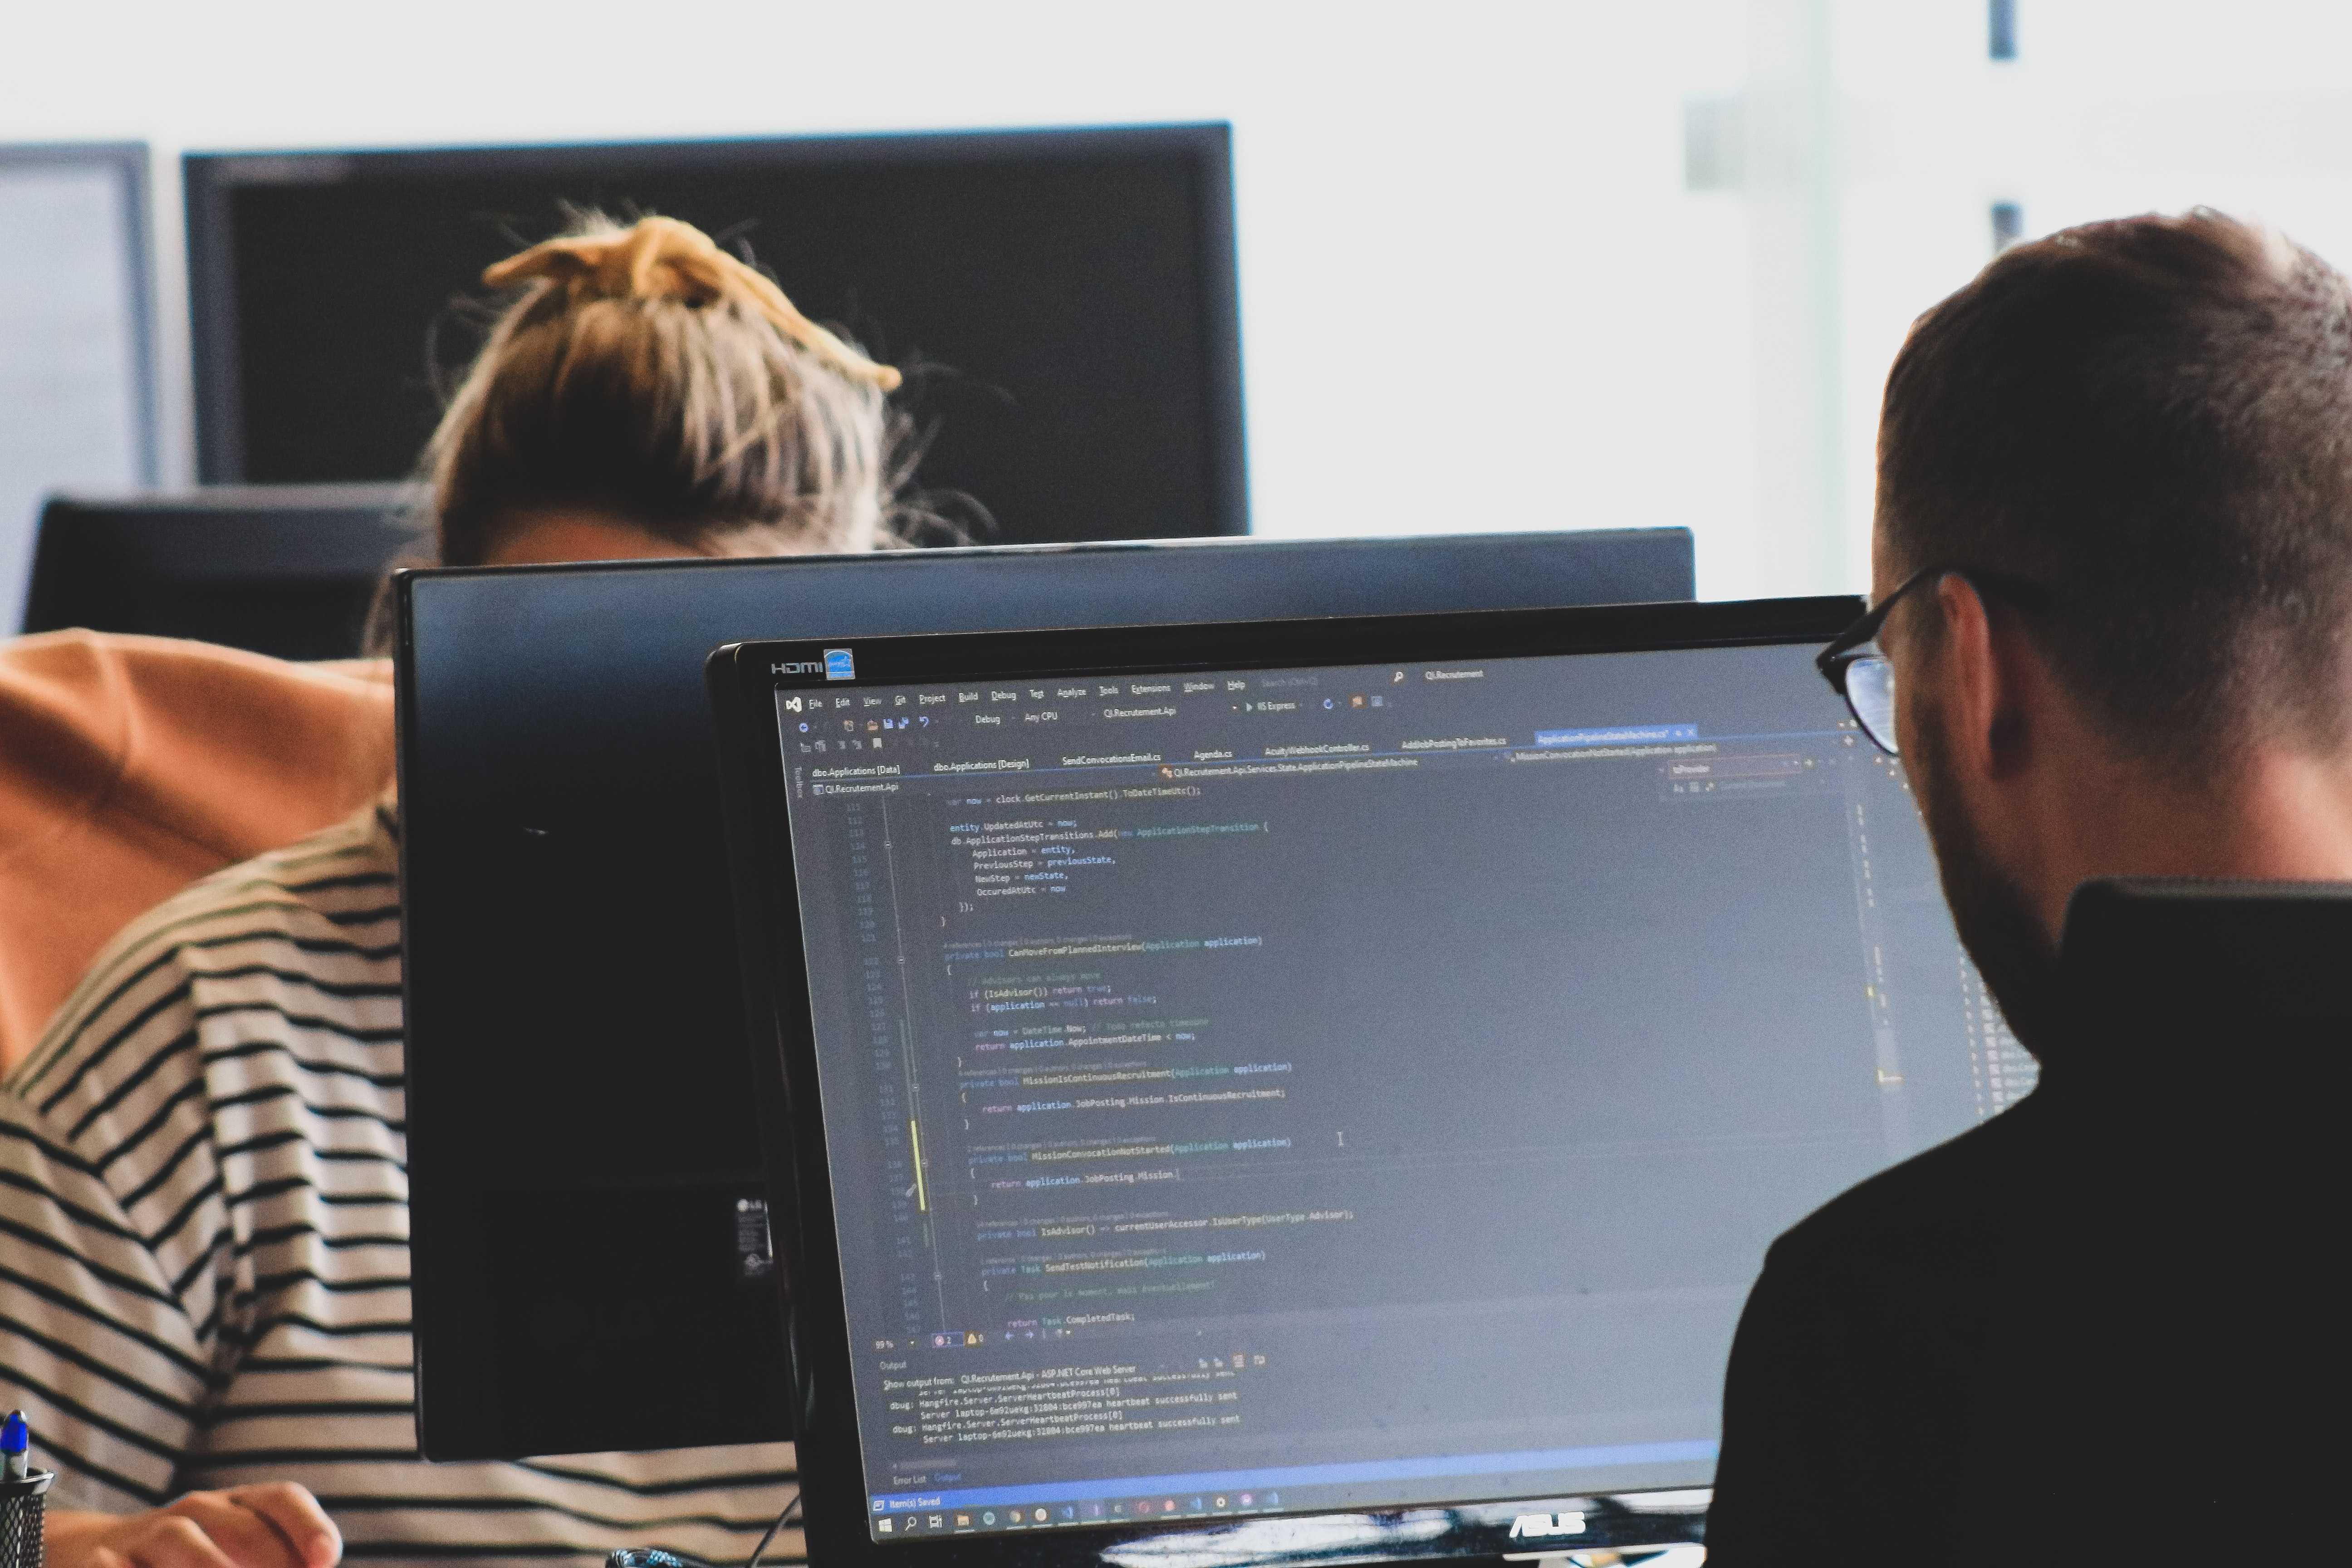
pixel 204 1242
pixel 94 1342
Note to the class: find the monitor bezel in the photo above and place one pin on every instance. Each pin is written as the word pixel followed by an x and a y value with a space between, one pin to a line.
pixel 210 181
pixel 832 1455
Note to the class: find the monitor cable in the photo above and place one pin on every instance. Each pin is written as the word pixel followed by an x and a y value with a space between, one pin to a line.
pixel 663 1557
pixel 791 1509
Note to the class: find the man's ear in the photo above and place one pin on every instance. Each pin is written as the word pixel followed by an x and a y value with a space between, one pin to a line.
pixel 1982 682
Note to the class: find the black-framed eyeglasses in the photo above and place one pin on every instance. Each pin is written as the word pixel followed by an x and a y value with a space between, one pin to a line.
pixel 1857 672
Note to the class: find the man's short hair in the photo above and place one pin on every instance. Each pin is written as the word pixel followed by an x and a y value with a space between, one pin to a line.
pixel 2152 417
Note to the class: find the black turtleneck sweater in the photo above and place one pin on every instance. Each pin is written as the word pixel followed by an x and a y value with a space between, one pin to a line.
pixel 2107 1321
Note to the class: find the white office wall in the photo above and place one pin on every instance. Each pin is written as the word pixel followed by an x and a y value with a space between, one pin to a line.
pixel 1479 287
pixel 2110 107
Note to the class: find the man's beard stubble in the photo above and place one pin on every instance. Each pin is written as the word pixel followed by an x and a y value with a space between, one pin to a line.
pixel 1995 919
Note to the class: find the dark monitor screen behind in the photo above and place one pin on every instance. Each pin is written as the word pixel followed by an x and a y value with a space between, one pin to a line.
pixel 1314 1068
pixel 291 571
pixel 1066 300
pixel 580 1129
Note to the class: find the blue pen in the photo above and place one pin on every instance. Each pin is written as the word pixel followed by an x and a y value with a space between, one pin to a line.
pixel 15 1439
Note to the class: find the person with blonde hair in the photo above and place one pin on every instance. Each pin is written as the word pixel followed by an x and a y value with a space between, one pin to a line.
pixel 204 1295
pixel 652 394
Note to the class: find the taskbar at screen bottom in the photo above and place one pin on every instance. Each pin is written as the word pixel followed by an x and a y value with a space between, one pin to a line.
pixel 1291 1490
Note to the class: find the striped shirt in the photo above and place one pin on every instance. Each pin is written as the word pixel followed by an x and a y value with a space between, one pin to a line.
pixel 203 1241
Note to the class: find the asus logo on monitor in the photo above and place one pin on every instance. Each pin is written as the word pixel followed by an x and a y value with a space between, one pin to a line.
pixel 838 664
pixel 1536 1526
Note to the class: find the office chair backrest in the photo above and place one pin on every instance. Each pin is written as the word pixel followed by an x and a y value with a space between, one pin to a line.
pixel 285 570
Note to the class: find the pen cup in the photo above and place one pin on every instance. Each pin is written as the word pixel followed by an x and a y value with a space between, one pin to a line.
pixel 20 1519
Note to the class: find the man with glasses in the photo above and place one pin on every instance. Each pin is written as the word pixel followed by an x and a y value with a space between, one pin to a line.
pixel 2111 637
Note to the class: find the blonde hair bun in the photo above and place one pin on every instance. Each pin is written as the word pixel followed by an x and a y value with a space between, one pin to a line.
pixel 663 258
pixel 641 373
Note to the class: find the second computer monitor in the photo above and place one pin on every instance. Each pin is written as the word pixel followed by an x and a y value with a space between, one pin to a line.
pixel 580 1088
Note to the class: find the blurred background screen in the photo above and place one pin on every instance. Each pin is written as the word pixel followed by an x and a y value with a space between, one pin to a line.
pixel 1062 301
pixel 77 379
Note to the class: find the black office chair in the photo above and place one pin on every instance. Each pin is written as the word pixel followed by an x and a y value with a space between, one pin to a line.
pixel 285 570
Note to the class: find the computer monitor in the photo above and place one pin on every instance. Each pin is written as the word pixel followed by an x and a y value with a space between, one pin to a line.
pixel 1065 301
pixel 1286 1082
pixel 586 1171
pixel 286 569
pixel 77 349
